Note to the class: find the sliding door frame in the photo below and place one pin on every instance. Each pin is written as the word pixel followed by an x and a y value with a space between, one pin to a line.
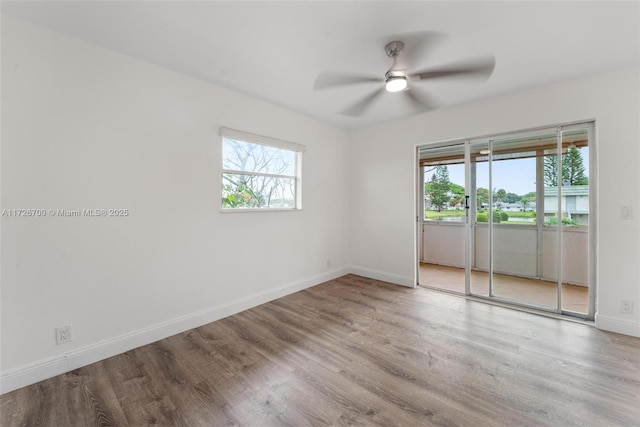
pixel 470 186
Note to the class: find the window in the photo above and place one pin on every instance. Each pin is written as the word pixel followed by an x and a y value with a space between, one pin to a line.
pixel 259 172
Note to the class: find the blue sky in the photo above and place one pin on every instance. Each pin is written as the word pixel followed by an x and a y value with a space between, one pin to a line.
pixel 515 176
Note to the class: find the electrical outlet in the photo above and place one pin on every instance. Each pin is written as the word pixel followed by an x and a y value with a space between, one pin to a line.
pixel 626 212
pixel 626 307
pixel 63 334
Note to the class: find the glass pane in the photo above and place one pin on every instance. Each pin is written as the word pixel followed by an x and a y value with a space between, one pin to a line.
pixel 442 262
pixel 255 191
pixel 479 172
pixel 249 157
pixel 516 275
pixel 514 190
pixel 444 193
pixel 550 234
pixel 575 221
pixel 551 187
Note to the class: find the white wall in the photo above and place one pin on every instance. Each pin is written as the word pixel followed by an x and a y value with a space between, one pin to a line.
pixel 383 227
pixel 85 127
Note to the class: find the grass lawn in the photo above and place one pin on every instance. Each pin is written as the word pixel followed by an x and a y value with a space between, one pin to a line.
pixel 435 215
pixel 442 214
pixel 520 215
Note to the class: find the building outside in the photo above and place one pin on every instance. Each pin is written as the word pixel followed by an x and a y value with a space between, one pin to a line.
pixel 575 203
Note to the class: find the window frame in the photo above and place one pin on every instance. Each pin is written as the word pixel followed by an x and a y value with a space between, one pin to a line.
pixel 250 138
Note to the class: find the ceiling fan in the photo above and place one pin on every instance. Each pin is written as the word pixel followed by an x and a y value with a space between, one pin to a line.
pixel 397 79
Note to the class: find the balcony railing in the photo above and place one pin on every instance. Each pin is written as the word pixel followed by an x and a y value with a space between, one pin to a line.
pixel 518 250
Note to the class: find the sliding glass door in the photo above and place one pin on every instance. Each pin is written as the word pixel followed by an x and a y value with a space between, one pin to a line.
pixel 507 218
pixel 443 217
pixel 479 228
pixel 570 198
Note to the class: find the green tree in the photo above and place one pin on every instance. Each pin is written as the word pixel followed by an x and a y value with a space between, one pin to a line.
pixel 239 195
pixel 573 170
pixel 511 198
pixel 457 194
pixel 551 171
pixel 500 194
pixel 456 190
pixel 527 199
pixel 438 188
pixel 482 196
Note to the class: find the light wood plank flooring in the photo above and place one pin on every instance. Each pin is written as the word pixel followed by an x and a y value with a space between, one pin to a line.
pixel 531 291
pixel 354 351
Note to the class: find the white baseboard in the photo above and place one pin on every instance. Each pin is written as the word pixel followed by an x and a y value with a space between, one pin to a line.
pixel 32 373
pixel 619 326
pixel 44 369
pixel 409 282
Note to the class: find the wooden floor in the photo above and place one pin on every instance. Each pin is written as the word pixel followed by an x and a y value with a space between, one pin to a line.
pixel 354 351
pixel 519 289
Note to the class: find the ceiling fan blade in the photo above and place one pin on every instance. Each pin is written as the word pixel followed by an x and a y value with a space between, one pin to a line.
pixel 421 101
pixel 479 68
pixel 361 106
pixel 331 79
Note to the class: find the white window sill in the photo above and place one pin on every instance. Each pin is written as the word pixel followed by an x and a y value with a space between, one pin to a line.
pixel 253 210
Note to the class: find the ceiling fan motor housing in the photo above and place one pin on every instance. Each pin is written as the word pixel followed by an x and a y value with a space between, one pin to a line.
pixel 394 48
pixel 395 74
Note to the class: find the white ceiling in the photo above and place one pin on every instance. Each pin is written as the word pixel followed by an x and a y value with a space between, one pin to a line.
pixel 275 50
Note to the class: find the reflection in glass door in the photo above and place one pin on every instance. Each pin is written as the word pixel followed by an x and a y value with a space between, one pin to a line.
pixel 442 217
pixel 479 184
pixel 572 190
pixel 517 224
pixel 524 222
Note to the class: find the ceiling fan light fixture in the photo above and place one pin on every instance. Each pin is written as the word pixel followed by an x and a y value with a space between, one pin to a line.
pixel 395 84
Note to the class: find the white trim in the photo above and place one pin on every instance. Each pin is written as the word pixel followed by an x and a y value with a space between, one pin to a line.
pixel 237 210
pixel 262 140
pixel 43 369
pixel 385 277
pixel 619 326
pixel 32 373
pixel 268 175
